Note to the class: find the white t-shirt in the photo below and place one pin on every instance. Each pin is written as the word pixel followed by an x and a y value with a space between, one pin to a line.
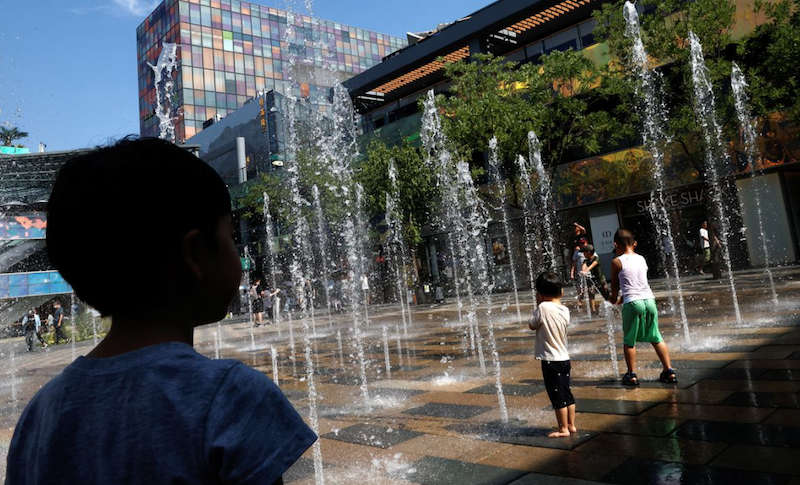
pixel 633 278
pixel 704 238
pixel 550 321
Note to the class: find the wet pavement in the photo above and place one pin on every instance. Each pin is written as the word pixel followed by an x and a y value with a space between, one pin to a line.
pixel 733 416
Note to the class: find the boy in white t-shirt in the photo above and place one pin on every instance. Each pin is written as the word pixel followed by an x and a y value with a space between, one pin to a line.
pixel 550 321
pixel 639 312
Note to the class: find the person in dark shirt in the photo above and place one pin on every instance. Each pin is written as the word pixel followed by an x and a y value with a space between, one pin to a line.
pixel 58 319
pixel 144 407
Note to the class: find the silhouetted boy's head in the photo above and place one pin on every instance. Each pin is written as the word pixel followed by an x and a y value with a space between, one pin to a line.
pixel 623 239
pixel 135 225
pixel 548 284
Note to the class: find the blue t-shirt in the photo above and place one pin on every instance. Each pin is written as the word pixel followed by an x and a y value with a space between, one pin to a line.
pixel 161 414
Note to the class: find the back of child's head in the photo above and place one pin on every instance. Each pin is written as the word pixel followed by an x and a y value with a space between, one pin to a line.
pixel 117 215
pixel 624 238
pixel 548 284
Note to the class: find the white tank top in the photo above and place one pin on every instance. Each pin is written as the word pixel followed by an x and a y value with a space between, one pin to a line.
pixel 633 278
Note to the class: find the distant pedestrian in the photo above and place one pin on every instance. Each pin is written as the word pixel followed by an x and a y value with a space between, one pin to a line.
pixel 257 302
pixel 269 302
pixel 38 323
pixel 365 288
pixel 31 324
pixel 704 258
pixel 58 315
pixel 50 322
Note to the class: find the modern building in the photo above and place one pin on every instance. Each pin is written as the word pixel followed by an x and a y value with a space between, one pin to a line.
pixel 230 50
pixel 584 189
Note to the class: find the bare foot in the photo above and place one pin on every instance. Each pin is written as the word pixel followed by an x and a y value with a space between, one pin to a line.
pixel 559 434
pixel 572 429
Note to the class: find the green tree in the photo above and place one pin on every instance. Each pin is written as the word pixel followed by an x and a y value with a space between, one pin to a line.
pixel 11 133
pixel 415 184
pixel 563 100
pixel 665 32
pixel 770 56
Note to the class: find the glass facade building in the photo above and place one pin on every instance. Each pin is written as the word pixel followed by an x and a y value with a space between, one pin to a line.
pixel 230 50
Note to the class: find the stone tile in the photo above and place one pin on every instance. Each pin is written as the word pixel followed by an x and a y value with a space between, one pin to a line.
pixel 730 414
pixel 749 386
pixel 653 448
pixel 540 479
pixel 780 375
pixel 432 470
pixel 662 472
pixel 635 425
pixel 518 434
pixel 784 417
pixel 509 389
pixel 607 406
pixel 763 400
pixel 503 363
pixel 571 464
pixel 377 436
pixel 451 411
pixel 452 447
pixel 302 469
pixel 397 393
pixel 760 458
pixel 767 364
pixel 740 433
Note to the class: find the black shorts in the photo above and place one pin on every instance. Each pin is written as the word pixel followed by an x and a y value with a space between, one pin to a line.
pixel 556 381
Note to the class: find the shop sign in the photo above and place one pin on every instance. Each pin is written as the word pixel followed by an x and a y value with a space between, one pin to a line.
pixel 675 199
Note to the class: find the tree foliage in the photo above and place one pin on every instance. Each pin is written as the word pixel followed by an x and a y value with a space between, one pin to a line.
pixel 665 32
pixel 770 56
pixel 10 133
pixel 415 184
pixel 562 99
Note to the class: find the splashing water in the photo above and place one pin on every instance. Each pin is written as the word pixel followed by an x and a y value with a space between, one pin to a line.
pixel 494 164
pixel 164 84
pixel 274 354
pixel 545 199
pixel 652 106
pixel 715 152
pixel 739 85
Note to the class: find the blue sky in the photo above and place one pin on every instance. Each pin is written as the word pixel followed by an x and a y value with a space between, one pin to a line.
pixel 68 67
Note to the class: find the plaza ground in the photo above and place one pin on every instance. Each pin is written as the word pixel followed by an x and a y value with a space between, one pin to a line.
pixel 733 417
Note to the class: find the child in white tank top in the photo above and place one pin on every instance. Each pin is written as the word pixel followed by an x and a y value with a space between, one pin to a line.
pixel 639 311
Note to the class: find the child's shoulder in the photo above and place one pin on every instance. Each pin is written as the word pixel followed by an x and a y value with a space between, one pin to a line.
pixel 554 307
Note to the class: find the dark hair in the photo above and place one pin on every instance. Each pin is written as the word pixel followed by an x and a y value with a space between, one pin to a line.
pixel 624 238
pixel 116 217
pixel 549 284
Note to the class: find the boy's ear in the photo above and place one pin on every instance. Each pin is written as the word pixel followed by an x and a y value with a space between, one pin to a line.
pixel 190 253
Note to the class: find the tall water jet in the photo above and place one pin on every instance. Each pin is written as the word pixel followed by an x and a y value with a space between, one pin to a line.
pixel 704 106
pixel 529 227
pixel 739 85
pixel 302 259
pixel 322 239
pixel 476 241
pixel 496 177
pixel 545 199
pixel 607 310
pixel 272 268
pixel 454 221
pixel 164 86
pixel 393 238
pixel 252 322
pixel 399 240
pixel 652 107
pixel 388 362
pixel 437 157
pixel 339 154
pixel 274 354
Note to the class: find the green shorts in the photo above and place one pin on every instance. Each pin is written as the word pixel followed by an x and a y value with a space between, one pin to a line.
pixel 707 254
pixel 640 322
